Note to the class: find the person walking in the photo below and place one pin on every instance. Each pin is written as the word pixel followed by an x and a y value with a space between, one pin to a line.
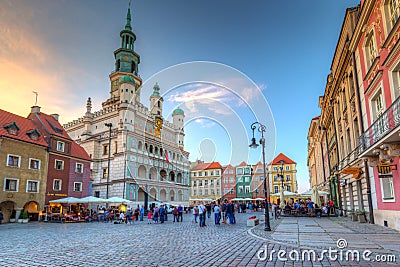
pixel 136 213
pixel 216 214
pixel 180 213
pixel 162 215
pixel 141 213
pixel 208 207
pixel 195 213
pixel 202 215
pixel 175 213
pixel 149 217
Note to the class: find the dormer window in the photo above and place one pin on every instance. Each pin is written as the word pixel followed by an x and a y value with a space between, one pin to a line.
pixel 12 128
pixel 34 134
pixel 60 146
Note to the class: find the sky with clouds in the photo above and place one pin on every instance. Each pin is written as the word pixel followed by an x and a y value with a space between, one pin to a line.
pixel 225 63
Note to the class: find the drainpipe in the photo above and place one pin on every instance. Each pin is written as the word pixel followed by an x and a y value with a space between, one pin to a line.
pixel 366 168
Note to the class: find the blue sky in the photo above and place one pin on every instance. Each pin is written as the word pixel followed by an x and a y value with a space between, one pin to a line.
pixel 64 50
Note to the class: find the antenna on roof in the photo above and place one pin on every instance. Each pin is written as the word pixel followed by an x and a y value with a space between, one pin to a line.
pixel 36 93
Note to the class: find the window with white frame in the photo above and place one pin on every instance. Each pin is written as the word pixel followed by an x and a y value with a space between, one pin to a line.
pixel 194 183
pixel 239 171
pixel 205 182
pixel 32 186
pixel 57 183
pixel 247 188
pixel 247 179
pixel 255 178
pixel 226 190
pixel 60 146
pixel 370 50
pixel 276 189
pixel 194 174
pixel 241 189
pixel 217 172
pixel 387 189
pixel 230 171
pixel 288 168
pixel 206 192
pixel 217 191
pixel 194 192
pixel 205 173
pixel 200 183
pixel 231 180
pixel 59 164
pixel 34 164
pixel 231 191
pixel 377 105
pixel 11 184
pixel 79 168
pixel 287 177
pixel 261 178
pixel 240 180
pixel 275 178
pixel 289 188
pixel 200 174
pixel 13 161
pixel 217 182
pixel 211 173
pixel 200 192
pixel 77 187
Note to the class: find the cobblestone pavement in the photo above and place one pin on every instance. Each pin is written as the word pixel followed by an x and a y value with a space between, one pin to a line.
pixel 142 244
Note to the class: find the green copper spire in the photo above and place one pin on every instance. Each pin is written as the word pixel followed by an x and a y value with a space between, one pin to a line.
pixel 128 18
pixel 156 90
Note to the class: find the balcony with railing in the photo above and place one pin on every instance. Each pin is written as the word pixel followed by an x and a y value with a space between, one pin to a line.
pixel 385 124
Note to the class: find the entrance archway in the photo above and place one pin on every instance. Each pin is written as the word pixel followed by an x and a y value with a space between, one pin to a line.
pixel 32 209
pixel 7 208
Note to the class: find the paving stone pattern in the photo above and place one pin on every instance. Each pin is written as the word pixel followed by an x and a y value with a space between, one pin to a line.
pixel 142 244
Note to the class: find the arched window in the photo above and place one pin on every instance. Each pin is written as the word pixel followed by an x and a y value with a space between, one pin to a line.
pixel 140 145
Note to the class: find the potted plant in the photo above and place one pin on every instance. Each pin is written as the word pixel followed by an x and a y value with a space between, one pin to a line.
pixel 361 216
pixel 21 216
pixel 25 217
pixel 12 217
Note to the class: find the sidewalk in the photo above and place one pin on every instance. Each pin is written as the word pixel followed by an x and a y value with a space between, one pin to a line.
pixel 322 233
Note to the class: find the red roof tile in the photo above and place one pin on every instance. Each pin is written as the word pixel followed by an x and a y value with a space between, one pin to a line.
pixel 207 166
pixel 50 124
pixel 283 157
pixel 25 126
pixel 79 152
pixel 242 164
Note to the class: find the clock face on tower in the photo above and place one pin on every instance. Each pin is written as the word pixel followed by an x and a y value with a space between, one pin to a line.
pixel 114 85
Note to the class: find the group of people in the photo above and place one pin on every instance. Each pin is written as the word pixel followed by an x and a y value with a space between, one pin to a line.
pixel 224 211
pixel 307 207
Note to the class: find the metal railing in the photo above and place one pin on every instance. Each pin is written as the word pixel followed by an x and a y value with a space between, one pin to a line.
pixel 381 127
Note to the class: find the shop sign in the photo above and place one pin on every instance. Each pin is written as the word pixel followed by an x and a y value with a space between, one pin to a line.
pixel 384 168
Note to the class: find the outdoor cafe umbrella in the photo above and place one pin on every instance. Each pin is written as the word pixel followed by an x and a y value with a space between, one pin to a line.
pixel 117 200
pixel 92 199
pixel 67 200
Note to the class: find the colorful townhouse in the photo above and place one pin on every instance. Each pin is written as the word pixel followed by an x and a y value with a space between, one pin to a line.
pixel 23 167
pixel 205 182
pixel 228 182
pixel 68 163
pixel 257 181
pixel 243 181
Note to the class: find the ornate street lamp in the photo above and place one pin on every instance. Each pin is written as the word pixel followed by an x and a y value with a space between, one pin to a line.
pixel 109 125
pixel 261 129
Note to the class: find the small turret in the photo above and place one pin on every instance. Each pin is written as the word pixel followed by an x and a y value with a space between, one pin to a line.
pixel 178 116
pixel 156 101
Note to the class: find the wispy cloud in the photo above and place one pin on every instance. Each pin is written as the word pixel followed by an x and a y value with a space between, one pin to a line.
pixel 205 123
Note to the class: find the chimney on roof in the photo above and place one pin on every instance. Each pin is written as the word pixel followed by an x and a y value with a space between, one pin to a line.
pixel 35 109
pixel 55 116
